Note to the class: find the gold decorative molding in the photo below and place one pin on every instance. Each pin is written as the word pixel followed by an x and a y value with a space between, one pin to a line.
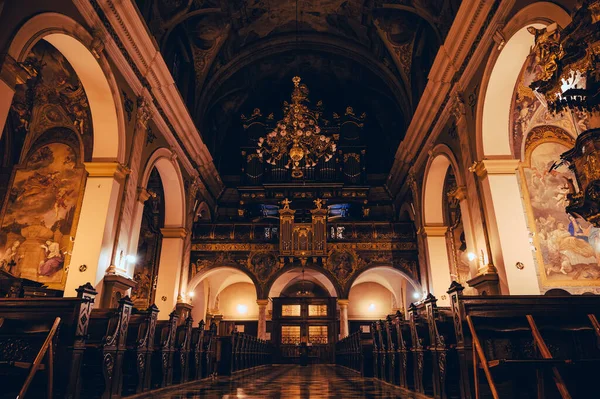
pixel 234 247
pixel 174 232
pixel 460 193
pixel 343 302
pixel 143 194
pixel 435 231
pixel 262 302
pixel 107 169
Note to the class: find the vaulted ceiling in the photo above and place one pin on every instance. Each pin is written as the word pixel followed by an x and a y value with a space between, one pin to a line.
pixel 231 56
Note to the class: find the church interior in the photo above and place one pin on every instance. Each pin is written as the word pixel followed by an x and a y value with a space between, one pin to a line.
pixel 299 199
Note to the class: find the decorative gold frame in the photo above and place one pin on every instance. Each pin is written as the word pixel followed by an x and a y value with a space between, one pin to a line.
pixel 550 134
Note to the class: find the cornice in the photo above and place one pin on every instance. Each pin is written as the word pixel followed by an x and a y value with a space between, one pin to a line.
pixel 174 232
pixel 106 169
pixel 435 231
pixel 495 167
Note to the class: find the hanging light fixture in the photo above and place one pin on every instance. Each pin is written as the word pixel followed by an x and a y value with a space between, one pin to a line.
pixel 568 78
pixel 297 135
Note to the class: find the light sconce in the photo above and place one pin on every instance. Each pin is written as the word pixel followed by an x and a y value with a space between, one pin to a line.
pixel 471 256
pixel 372 307
pixel 417 295
pixel 131 258
pixel 242 309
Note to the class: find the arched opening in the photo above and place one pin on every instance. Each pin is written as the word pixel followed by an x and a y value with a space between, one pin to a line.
pixel 446 236
pixel 163 175
pixel 505 112
pixel 378 292
pixel 227 296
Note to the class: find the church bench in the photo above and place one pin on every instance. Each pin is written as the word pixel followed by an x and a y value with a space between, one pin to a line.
pixel 138 351
pixel 404 363
pixel 423 366
pixel 513 346
pixel 39 314
pixel 162 352
pixel 209 361
pixel 197 352
pixel 181 354
pixel 105 346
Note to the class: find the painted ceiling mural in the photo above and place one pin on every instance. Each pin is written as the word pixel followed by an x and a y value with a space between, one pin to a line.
pixel 227 55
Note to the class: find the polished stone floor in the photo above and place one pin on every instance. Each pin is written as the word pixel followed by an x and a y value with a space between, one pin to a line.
pixel 287 382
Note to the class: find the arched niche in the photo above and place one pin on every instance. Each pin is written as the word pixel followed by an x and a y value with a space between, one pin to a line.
pixel 92 68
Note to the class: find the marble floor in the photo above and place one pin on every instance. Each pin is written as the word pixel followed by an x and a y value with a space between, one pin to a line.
pixel 287 382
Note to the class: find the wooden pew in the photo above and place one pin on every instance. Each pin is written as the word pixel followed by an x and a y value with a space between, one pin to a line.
pixel 443 349
pixel 422 358
pixel 527 346
pixel 39 314
pixel 138 352
pixel 210 351
pixel 404 369
pixel 197 348
pixel 181 356
pixel 105 347
pixel 163 349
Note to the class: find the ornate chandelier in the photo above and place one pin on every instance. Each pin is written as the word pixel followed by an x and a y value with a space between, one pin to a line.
pixel 568 76
pixel 297 135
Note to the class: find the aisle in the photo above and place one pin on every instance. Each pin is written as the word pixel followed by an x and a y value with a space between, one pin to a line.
pixel 288 382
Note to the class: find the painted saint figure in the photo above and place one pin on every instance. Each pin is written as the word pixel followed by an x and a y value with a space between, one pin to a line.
pixel 54 260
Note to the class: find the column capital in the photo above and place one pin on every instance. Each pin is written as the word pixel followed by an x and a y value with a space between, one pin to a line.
pixel 107 169
pixel 435 231
pixel 460 193
pixel 143 194
pixel 343 302
pixel 262 302
pixel 494 167
pixel 174 232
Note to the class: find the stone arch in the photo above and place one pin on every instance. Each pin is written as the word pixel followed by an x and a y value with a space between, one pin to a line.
pixel 170 174
pixel 383 275
pixel 440 160
pixel 218 267
pixel 502 197
pixel 92 68
pixel 501 74
pixel 224 275
pixel 277 282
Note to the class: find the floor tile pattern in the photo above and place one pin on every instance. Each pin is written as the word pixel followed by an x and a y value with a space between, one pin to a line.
pixel 288 382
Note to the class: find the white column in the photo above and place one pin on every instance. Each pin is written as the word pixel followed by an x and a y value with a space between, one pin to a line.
pixel 262 318
pixel 439 264
pixel 96 228
pixel 505 206
pixel 344 327
pixel 169 270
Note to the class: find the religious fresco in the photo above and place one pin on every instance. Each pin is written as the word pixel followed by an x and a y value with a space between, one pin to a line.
pixel 39 215
pixel 50 131
pixel 529 110
pixel 148 253
pixel 568 249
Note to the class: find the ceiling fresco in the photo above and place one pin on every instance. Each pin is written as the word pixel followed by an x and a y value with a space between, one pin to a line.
pixel 229 57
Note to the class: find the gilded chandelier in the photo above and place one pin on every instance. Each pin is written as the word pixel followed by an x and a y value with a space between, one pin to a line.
pixel 568 76
pixel 297 135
